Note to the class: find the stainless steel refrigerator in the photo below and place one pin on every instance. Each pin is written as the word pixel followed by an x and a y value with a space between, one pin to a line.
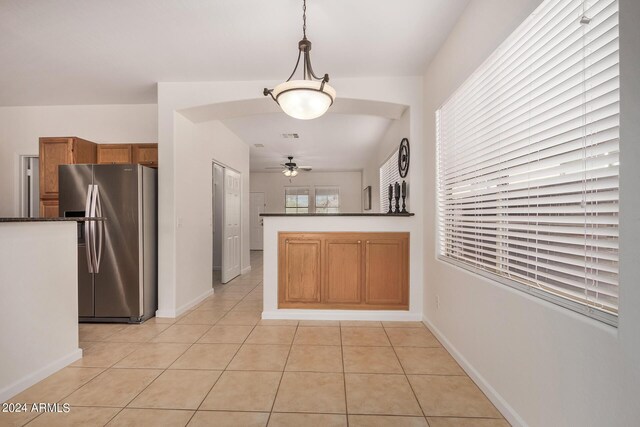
pixel 117 257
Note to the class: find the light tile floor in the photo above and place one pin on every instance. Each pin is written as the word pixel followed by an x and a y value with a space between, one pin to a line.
pixel 220 365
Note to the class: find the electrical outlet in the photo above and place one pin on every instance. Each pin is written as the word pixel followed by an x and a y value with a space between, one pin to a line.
pixel 438 302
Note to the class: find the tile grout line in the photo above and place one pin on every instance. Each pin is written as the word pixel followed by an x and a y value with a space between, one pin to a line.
pixel 415 396
pixel 344 375
pixel 282 375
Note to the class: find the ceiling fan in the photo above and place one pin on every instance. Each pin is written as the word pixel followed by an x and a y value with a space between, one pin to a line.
pixel 291 168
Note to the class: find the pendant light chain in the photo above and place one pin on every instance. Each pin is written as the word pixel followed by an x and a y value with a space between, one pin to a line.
pixel 304 19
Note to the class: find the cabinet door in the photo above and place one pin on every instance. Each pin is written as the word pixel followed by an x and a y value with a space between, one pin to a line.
pixel 114 153
pixel 49 208
pixel 145 154
pixel 299 270
pixel 342 271
pixel 53 152
pixel 387 271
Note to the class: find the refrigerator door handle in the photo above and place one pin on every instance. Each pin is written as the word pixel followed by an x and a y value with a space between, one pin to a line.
pixel 100 225
pixel 94 256
pixel 87 228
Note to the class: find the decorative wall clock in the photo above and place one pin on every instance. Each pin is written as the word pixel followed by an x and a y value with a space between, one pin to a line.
pixel 403 158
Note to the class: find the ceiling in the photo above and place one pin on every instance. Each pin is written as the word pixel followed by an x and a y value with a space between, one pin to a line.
pixel 109 52
pixel 330 143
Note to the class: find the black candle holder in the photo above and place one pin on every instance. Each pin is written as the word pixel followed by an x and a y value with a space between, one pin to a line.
pixel 390 199
pixel 397 196
pixel 404 197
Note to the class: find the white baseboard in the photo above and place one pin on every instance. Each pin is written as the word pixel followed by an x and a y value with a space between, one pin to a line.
pixel 24 383
pixel 509 413
pixel 185 307
pixel 379 315
pixel 246 270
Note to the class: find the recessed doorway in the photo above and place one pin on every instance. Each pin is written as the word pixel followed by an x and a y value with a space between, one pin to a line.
pixel 226 218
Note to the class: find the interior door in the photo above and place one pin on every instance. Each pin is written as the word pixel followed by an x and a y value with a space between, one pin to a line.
pixel 256 206
pixel 231 232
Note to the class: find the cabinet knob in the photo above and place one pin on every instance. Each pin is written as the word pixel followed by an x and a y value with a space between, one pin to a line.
pixel 359 241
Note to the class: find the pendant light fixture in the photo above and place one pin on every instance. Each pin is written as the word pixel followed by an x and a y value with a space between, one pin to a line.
pixel 310 97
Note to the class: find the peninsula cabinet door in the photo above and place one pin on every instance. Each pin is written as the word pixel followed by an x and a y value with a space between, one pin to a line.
pixel 299 271
pixel 386 271
pixel 342 271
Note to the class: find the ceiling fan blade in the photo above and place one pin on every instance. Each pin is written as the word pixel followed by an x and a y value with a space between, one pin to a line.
pixel 275 167
pixel 305 168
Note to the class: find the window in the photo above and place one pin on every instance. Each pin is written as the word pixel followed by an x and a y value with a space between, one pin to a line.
pixel 296 200
pixel 327 199
pixel 528 160
pixel 388 175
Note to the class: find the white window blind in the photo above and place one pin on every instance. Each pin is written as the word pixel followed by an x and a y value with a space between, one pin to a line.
pixel 327 199
pixel 528 160
pixel 296 200
pixel 388 175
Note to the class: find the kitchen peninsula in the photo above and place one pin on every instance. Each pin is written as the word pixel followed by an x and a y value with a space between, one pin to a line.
pixel 346 266
pixel 38 299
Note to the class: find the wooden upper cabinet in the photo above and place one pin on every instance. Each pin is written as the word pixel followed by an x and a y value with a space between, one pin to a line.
pixel 114 154
pixel 386 271
pixel 300 266
pixel 49 208
pixel 61 151
pixel 145 154
pixel 342 270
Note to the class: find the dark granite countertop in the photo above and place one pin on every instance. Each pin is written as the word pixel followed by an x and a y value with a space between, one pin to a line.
pixel 59 219
pixel 342 214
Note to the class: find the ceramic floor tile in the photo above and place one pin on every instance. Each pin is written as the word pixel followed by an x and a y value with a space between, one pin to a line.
pixel 311 392
pixel 151 417
pixel 182 333
pixel 105 354
pixel 423 360
pixel 217 305
pixel 385 421
pixel 403 324
pixel 315 358
pixel 114 387
pixel 466 422
pixel 364 337
pixel 380 360
pixel 138 333
pixel 243 391
pixel 57 386
pixel 206 356
pixel 97 331
pixel 229 419
pixel 230 334
pixel 278 322
pixel 153 355
pixel 272 335
pixel 248 305
pixel 202 317
pixel 16 419
pixel 412 337
pixel 240 318
pixel 360 324
pixel 380 394
pixel 76 417
pixel 177 389
pixel 317 335
pixel 319 323
pixel 299 420
pixel 167 320
pixel 262 357
pixel 451 396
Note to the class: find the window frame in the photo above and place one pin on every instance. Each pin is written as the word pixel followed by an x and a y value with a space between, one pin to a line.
pixel 315 198
pixel 297 207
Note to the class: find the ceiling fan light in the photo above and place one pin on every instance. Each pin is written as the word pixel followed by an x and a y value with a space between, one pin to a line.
pixel 286 172
pixel 304 99
pixel 294 173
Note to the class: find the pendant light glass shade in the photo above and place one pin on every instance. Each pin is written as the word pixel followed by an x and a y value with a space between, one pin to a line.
pixel 304 99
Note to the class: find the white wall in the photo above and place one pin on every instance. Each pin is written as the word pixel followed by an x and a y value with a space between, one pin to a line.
pixel 541 364
pixel 389 143
pixel 200 144
pixel 273 185
pixel 177 96
pixel 38 302
pixel 20 128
